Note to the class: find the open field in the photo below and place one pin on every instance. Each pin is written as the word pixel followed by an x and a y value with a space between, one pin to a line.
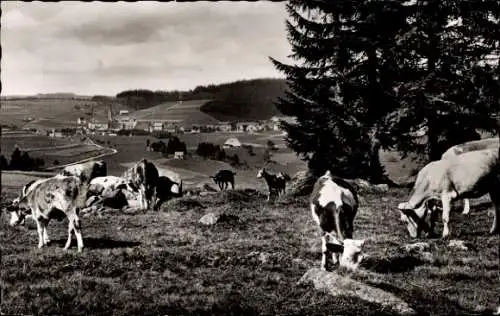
pixel 51 113
pixel 168 263
pixel 187 112
pixel 28 140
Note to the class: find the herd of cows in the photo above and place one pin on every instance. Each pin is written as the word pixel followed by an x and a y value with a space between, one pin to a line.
pixel 465 171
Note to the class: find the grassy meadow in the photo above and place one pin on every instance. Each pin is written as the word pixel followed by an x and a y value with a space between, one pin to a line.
pixel 166 262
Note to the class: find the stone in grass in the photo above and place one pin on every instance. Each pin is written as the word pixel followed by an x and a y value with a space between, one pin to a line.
pixel 214 218
pixel 337 285
pixel 458 244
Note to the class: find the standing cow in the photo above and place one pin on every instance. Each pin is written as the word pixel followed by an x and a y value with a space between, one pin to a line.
pixel 53 198
pixel 334 204
pixel 143 177
pixel 87 170
pixel 223 178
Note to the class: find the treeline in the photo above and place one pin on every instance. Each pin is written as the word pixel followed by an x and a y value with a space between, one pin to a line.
pixel 174 144
pixel 369 74
pixel 21 161
pixel 250 99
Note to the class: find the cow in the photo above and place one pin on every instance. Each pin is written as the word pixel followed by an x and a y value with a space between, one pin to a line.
pixel 58 197
pixel 87 170
pixel 143 177
pixel 223 178
pixel 176 188
pixel 334 204
pixel 275 182
pixel 469 175
pixel 105 185
pixel 467 147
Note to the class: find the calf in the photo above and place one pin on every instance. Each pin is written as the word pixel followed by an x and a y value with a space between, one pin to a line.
pixel 223 178
pixel 469 175
pixel 142 177
pixel 468 147
pixel 334 204
pixel 275 182
pixel 54 198
pixel 86 171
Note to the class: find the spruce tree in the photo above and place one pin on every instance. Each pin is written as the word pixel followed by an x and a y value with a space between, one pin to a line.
pixel 337 88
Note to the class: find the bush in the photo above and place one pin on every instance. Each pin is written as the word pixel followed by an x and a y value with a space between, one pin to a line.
pixel 210 151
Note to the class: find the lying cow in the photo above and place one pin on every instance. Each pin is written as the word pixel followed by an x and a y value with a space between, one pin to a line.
pixel 142 177
pixel 105 185
pixel 87 170
pixel 334 204
pixel 468 147
pixel 223 178
pixel 53 198
pixel 469 175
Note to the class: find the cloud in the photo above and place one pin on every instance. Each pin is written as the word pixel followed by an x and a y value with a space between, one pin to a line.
pixel 104 48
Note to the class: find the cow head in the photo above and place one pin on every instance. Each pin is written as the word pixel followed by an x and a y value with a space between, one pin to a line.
pixel 352 255
pixel 17 212
pixel 261 172
pixel 414 219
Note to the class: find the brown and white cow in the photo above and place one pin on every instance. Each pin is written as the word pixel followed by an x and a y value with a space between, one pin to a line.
pixel 334 204
pixel 87 170
pixel 469 175
pixel 143 177
pixel 53 198
pixel 468 147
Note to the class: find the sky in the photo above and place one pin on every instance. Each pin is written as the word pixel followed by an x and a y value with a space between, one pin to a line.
pixel 105 48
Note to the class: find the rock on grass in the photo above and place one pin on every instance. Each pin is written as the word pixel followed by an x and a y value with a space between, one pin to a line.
pixel 337 285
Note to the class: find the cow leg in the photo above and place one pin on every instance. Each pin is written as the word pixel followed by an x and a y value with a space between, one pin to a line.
pixel 433 220
pixel 324 253
pixel 46 239
pixel 232 184
pixel 495 198
pixel 78 233
pixel 446 200
pixel 40 230
pixel 70 229
pixel 466 207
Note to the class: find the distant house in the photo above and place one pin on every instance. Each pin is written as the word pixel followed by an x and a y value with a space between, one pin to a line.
pixel 55 133
pixel 123 112
pixel 224 126
pixel 179 155
pixel 232 143
pixel 81 121
pixel 127 123
pixel 156 126
pixel 99 126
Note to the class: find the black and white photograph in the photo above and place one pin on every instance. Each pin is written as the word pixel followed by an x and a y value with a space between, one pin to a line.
pixel 301 157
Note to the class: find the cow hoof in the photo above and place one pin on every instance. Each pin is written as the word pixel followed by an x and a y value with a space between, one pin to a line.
pixel 40 246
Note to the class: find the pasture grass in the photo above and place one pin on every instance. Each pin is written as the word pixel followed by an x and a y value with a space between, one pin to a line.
pixel 166 262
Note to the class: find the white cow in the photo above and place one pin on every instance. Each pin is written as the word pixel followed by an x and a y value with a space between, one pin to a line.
pixel 87 170
pixel 468 147
pixel 469 175
pixel 101 186
pixel 53 198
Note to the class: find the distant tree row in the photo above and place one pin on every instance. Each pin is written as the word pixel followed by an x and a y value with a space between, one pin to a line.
pixel 216 152
pixel 21 161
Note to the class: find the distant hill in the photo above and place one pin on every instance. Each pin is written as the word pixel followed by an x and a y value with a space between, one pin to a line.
pixel 240 100
pixel 246 99
pixel 187 112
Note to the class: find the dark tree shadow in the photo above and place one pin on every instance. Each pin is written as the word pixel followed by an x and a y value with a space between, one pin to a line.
pixel 393 265
pixel 98 243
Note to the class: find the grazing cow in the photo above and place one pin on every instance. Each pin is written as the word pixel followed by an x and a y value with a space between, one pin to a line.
pixel 54 198
pixel 275 182
pixel 223 178
pixel 334 204
pixel 352 255
pixel 468 147
pixel 27 188
pixel 176 187
pixel 105 185
pixel 469 175
pixel 142 177
pixel 164 190
pixel 86 171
